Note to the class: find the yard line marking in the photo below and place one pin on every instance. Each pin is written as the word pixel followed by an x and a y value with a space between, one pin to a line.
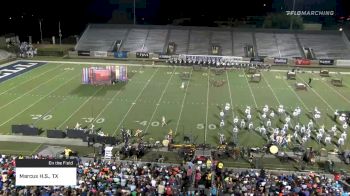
pixel 273 92
pixel 111 100
pixel 183 103
pixel 160 99
pixel 206 114
pixel 298 97
pixel 28 80
pixel 36 149
pixel 48 112
pixel 319 95
pixel 134 102
pixel 229 88
pixel 32 90
pixel 347 100
pixel 81 105
pixel 31 105
pixel 251 91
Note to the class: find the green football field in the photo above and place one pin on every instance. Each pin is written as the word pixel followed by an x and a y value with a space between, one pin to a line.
pixel 52 96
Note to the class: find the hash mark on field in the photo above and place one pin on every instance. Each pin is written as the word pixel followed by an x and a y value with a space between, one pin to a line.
pixel 133 104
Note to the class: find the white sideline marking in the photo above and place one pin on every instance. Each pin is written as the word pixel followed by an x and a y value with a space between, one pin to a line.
pixel 79 108
pixel 38 100
pixel 160 99
pixel 136 99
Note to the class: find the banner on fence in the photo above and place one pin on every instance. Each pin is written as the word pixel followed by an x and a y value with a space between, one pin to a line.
pixel 121 54
pixel 257 60
pixel 280 60
pixel 326 62
pixel 343 62
pixel 142 55
pixel 100 53
pixel 302 62
pixel 83 53
pixel 164 56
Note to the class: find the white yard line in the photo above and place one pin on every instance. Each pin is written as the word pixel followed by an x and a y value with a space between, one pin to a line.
pixel 47 81
pixel 26 80
pixel 347 100
pixel 85 102
pixel 136 99
pixel 160 99
pixel 206 114
pixel 251 91
pixel 106 106
pixel 273 92
pixel 60 86
pixel 182 105
pixel 319 96
pixel 298 97
pixel 229 89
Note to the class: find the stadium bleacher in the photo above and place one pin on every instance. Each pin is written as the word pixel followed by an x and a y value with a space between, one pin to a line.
pixel 180 37
pixel 288 45
pixel 224 39
pixel 240 40
pixel 135 42
pixel 267 45
pixel 156 40
pixel 100 37
pixel 198 40
pixel 326 45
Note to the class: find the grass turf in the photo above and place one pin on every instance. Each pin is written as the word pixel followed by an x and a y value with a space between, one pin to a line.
pixel 52 96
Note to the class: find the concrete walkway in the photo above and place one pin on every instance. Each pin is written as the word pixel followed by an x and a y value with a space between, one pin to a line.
pixel 79 142
pixel 42 140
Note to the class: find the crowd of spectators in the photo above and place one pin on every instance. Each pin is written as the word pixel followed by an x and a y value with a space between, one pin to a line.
pixel 27 50
pixel 206 177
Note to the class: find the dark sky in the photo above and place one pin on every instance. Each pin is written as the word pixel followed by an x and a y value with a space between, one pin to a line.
pixel 76 14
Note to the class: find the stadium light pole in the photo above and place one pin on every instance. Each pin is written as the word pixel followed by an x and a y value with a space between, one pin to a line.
pixel 291 16
pixel 134 12
pixel 41 32
pixel 59 32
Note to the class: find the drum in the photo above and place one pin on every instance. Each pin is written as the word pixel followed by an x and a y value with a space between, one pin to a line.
pixel 165 143
pixel 273 149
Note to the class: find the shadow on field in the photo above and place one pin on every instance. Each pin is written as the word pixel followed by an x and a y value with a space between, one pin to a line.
pixel 86 90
